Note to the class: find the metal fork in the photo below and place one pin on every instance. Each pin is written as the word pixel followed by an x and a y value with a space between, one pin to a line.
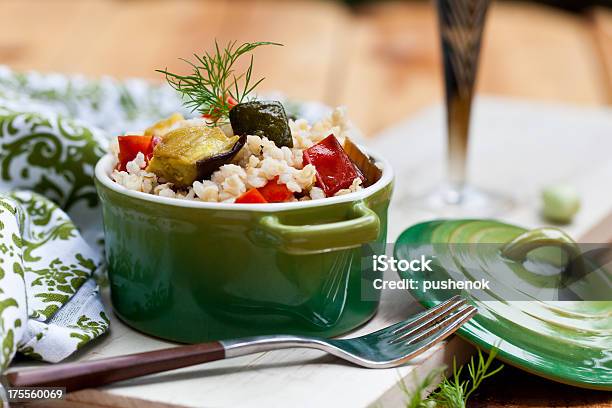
pixel 389 347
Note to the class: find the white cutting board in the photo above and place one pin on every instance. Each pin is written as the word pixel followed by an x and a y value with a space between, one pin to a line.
pixel 517 148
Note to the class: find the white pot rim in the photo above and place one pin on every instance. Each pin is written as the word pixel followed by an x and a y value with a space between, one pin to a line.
pixel 103 170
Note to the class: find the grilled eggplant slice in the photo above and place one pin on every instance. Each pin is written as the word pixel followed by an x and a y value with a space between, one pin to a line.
pixel 365 164
pixel 193 153
pixel 209 165
pixel 262 118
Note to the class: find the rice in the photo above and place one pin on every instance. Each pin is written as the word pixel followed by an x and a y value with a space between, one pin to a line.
pixel 136 178
pixel 258 162
pixel 206 190
pixel 355 186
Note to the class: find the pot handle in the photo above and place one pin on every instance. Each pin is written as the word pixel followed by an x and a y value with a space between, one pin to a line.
pixel 316 238
pixel 519 247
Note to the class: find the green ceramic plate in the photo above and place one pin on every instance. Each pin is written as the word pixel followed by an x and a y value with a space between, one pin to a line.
pixel 569 341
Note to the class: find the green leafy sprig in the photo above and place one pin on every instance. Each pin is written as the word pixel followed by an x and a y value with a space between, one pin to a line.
pixel 415 396
pixel 213 80
pixel 454 392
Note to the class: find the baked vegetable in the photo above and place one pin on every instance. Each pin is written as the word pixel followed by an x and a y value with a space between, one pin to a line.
pixel 365 164
pixel 272 192
pixel 335 170
pixel 262 118
pixel 253 196
pixel 216 114
pixel 161 128
pixel 193 153
pixel 130 146
pixel 275 192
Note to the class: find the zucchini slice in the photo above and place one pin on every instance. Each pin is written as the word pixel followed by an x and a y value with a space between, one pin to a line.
pixel 262 118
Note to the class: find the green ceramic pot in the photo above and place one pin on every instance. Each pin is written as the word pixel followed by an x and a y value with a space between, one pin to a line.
pixel 193 271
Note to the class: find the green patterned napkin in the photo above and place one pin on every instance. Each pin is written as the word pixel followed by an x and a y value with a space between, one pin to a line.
pixel 53 129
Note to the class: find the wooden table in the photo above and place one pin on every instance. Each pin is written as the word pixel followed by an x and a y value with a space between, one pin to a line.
pixel 382 61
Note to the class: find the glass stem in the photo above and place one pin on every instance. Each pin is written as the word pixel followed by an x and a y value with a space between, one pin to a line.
pixel 461 25
pixel 458 124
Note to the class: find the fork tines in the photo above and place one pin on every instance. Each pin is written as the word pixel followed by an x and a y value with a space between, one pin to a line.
pixel 452 312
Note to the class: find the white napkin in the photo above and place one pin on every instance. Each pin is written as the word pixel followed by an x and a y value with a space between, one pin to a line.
pixel 50 303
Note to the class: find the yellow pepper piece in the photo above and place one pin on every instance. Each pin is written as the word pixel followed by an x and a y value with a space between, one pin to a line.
pixel 161 128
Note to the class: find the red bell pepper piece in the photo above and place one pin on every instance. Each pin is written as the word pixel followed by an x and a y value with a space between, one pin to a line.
pixel 335 170
pixel 274 192
pixel 253 196
pixel 231 102
pixel 130 146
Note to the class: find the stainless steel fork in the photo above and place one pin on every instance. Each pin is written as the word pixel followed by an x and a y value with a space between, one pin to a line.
pixel 389 347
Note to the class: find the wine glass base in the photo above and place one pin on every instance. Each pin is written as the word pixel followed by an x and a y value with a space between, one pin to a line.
pixel 461 202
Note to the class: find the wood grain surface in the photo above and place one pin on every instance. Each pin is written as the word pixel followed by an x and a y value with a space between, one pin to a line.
pixel 382 61
pixel 512 388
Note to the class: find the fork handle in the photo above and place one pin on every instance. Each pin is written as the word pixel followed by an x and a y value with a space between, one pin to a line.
pixel 88 374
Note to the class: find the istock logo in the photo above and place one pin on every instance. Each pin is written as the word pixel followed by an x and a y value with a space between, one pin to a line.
pixel 383 263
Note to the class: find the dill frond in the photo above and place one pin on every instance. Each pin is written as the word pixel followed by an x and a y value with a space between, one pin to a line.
pixel 213 80
pixel 454 392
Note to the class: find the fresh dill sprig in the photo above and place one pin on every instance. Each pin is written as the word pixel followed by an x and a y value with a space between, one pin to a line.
pixel 454 392
pixel 415 399
pixel 213 80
